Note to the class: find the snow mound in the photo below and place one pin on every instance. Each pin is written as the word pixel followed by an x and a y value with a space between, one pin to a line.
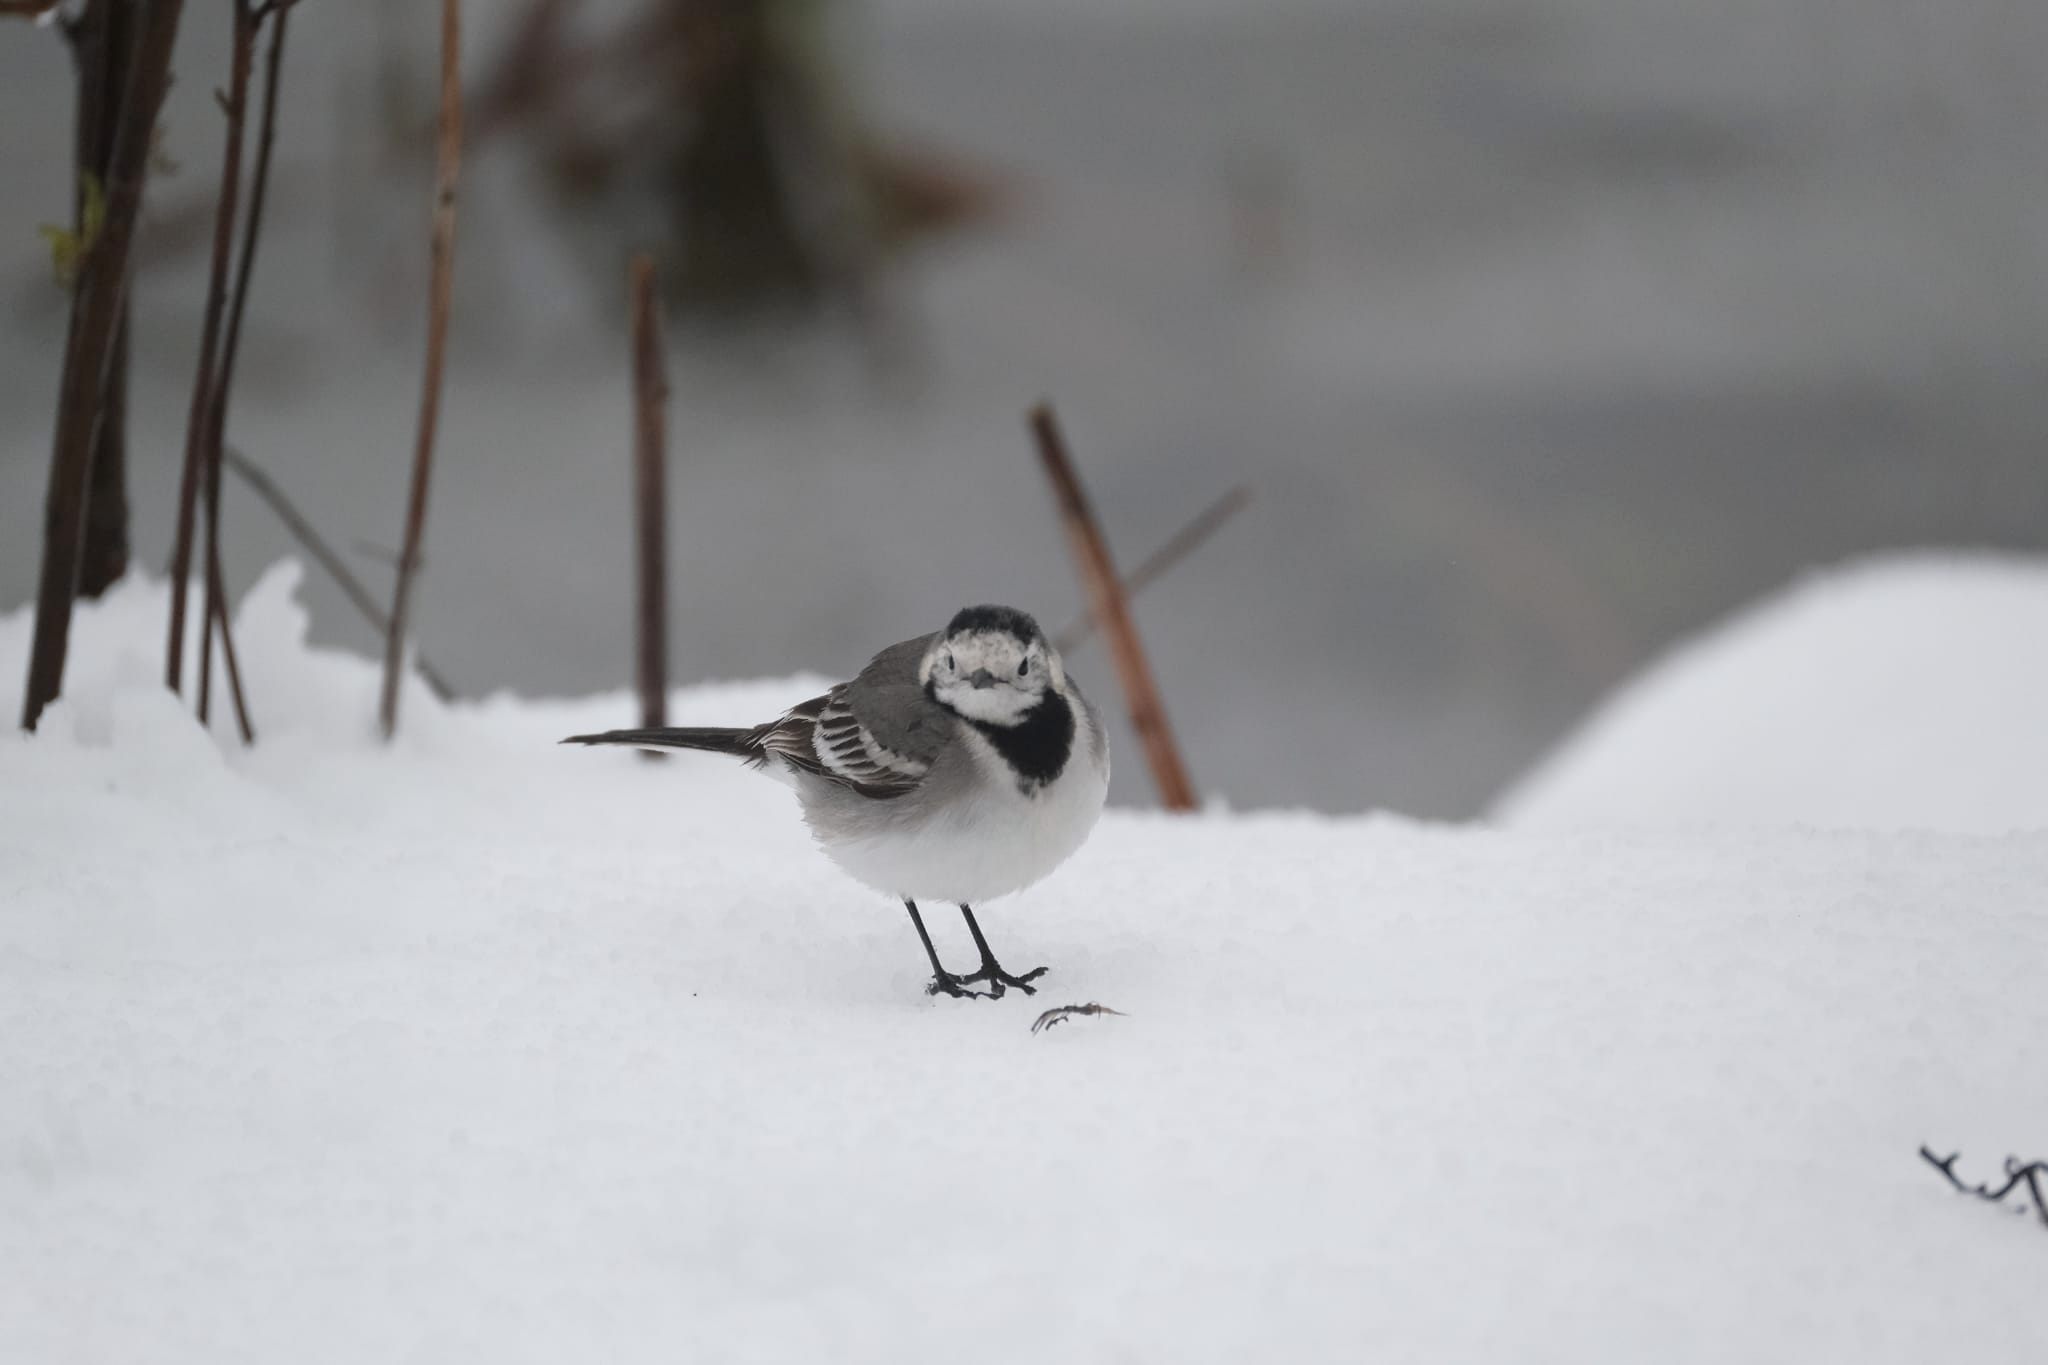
pixel 479 1048
pixel 1895 693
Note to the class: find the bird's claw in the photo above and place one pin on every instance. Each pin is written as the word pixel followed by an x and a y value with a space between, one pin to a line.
pixel 956 987
pixel 998 979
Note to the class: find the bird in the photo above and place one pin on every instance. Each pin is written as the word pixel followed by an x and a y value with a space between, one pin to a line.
pixel 957 766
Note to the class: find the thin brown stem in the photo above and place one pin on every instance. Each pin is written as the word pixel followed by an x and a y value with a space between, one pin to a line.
pixel 278 17
pixel 217 597
pixel 448 168
pixel 210 601
pixel 96 300
pixel 248 21
pixel 199 418
pixel 1108 604
pixel 650 497
pixel 325 555
pixel 1178 546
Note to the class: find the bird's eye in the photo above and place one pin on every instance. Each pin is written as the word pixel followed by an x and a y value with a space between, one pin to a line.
pixel 949 663
pixel 1023 668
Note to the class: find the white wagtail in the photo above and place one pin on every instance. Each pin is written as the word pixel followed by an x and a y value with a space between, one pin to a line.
pixel 957 766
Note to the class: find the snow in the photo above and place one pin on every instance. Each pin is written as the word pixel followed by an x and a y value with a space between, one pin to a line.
pixel 1897 692
pixel 478 1048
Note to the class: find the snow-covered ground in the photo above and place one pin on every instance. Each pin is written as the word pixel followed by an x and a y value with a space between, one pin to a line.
pixel 480 1049
pixel 1900 692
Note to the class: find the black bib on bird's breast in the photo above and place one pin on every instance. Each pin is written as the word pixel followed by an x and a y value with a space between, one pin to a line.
pixel 1038 746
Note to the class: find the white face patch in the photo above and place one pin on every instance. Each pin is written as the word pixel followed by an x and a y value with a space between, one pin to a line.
pixel 990 676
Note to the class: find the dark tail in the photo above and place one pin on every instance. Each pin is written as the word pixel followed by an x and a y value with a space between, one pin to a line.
pixel 739 743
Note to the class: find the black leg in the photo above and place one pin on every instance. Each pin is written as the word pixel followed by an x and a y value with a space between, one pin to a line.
pixel 991 970
pixel 943 981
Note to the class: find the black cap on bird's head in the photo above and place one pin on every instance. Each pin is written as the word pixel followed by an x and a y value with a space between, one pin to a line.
pixel 1008 619
pixel 992 665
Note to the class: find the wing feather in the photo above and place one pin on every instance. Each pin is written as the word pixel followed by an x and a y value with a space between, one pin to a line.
pixel 823 736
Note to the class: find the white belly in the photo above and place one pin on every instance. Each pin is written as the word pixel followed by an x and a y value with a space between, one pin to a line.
pixel 986 842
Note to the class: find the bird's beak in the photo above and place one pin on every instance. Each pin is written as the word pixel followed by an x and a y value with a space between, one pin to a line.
pixel 981 678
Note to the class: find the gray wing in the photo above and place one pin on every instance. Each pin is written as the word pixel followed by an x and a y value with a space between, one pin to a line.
pixel 878 734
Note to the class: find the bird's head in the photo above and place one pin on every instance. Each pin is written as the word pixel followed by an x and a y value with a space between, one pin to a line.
pixel 992 664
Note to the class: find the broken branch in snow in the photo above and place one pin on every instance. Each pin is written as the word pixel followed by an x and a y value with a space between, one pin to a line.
pixel 1178 546
pixel 439 301
pixel 324 554
pixel 2017 1173
pixel 650 499
pixel 1055 1015
pixel 1107 604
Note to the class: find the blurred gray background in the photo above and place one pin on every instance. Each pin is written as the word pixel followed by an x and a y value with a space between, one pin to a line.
pixel 1545 333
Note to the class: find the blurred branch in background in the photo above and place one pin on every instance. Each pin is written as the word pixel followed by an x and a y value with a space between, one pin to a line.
pixel 210 406
pixel 276 14
pixel 1178 546
pixel 650 499
pixel 325 556
pixel 198 422
pixel 723 131
pixel 219 343
pixel 440 299
pixel 1107 604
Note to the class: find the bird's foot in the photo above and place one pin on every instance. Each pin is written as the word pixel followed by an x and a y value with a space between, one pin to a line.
pixel 998 979
pixel 945 983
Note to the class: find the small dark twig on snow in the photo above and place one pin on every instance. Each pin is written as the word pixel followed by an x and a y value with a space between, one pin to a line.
pixel 2017 1173
pixel 1061 1012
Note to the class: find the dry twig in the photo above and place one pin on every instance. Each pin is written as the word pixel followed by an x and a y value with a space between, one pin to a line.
pixel 447 169
pixel 214 417
pixel 1108 605
pixel 1178 546
pixel 277 14
pixel 324 554
pixel 199 418
pixel 2017 1173
pixel 1062 1012
pixel 650 498
pixel 97 295
pixel 216 599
